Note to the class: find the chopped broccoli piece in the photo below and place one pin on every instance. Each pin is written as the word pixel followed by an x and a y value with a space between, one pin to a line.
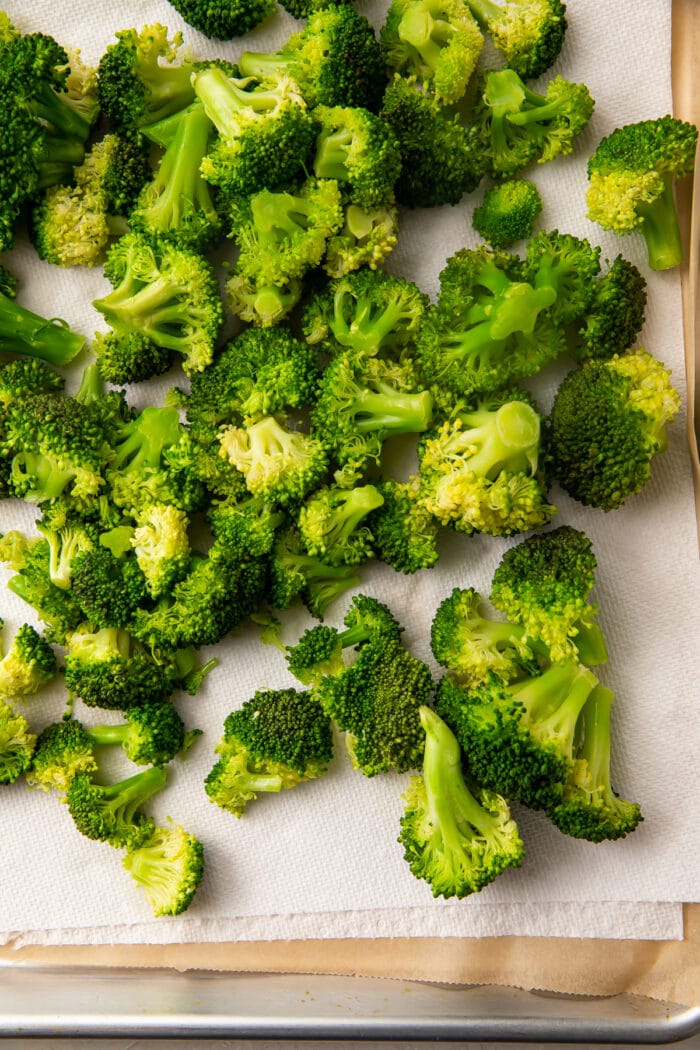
pixel 366 237
pixel 279 463
pixel 261 304
pixel 30 559
pixel 569 266
pixel 631 175
pixel 456 837
pixel 247 527
pixel 608 421
pixel 405 533
pixel 359 150
pixel 276 740
pixel 332 523
pixel 508 212
pixel 152 734
pixel 615 314
pixel 24 332
pixel 294 573
pixel 109 668
pixel 169 868
pixel 28 665
pixel 224 19
pixel 108 588
pixel 17 744
pixel 162 548
pixel 112 812
pixel 528 33
pixel 63 751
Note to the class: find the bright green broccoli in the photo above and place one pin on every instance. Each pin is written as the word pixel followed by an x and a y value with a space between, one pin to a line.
pixel 631 176
pixel 161 546
pixel 278 462
pixel 113 812
pixel 17 744
pixel 482 469
pixel 456 837
pixel 360 151
pixel 224 19
pixel 20 376
pixel 169 868
pixel 333 523
pixel 274 741
pixel 108 588
pixel 164 293
pixel 24 332
pixel 615 315
pixel 109 668
pixel 262 304
pixel 28 665
pixel 151 735
pixel 405 534
pixel 528 33
pixel 567 265
pixel 508 212
pixel 248 526
pixel 607 422
pixel 335 58
pixel 30 560
pixel 63 751
pixel 366 237
pixel 437 41
pixel 296 574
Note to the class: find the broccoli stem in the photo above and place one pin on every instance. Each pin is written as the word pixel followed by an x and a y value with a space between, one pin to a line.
pixel 264 64
pixel 49 106
pixel 386 409
pixel 363 326
pixel 105 735
pixel 505 440
pixel 660 229
pixel 153 309
pixel 227 105
pixel 595 749
pixel 428 35
pixel 332 154
pixel 484 10
pixel 46 477
pixel 177 188
pixel 56 159
pixel 552 702
pixel 24 332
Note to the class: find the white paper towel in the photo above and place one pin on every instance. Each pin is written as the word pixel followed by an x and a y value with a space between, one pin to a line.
pixel 323 860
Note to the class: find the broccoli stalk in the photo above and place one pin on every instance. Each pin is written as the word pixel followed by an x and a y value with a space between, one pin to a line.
pixel 112 812
pixel 24 332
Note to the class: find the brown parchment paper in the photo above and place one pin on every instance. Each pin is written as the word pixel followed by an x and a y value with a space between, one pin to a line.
pixel 664 970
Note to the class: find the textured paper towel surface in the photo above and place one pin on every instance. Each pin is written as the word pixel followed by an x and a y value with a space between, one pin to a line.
pixel 325 856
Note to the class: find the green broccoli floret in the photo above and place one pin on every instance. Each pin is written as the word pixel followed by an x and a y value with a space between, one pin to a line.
pixel 437 41
pixel 521 736
pixel 589 808
pixel 176 202
pixel 508 212
pixel 608 421
pixel 456 837
pixel 333 523
pixel 294 573
pixel 262 304
pixel 631 176
pixel 130 356
pixel 277 462
pixel 152 734
pixel 520 126
pixel 481 470
pixel 67 535
pixel 113 812
pixel 359 150
pixel 265 131
pixel 276 740
pixel 474 646
pixel 109 668
pixel 569 266
pixel 528 33
pixel 335 59
pixel 543 583
pixel 366 313
pixel 224 19
pixel 141 81
pixel 63 751
pixel 366 237
pixel 442 158
pixel 615 314
pixel 161 545
pixel 248 526
pixel 28 665
pixel 166 293
pixel 169 868
pixel 74 224
pixel 361 403
pixel 30 559
pixel 26 333
pixel 108 588
pixel 405 533
pixel 283 235
pixel 20 376
pixel 490 325
pixel 376 701
pixel 17 744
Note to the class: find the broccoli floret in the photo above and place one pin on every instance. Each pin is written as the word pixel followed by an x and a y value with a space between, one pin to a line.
pixel 333 526
pixel 276 740
pixel 141 81
pixel 113 812
pixel 108 668
pixel 63 751
pixel 457 837
pixel 366 237
pixel 265 131
pixel 161 545
pixel 335 59
pixel 73 225
pixel 282 235
pixel 26 333
pixel 30 559
pixel 615 314
pixel 481 470
pixel 472 645
pixel 130 356
pixel 376 701
pixel 152 734
pixel 544 583
pixel 520 737
pixel 294 573
pixel 169 868
pixel 520 126
pixel 508 212
pixel 108 588
pixel 28 375
pixel 442 159
pixel 569 266
pixel 167 293
pixel 528 33
pixel 17 744
pixel 261 304
pixel 490 326
pixel 359 150
pixel 67 535
pixel 28 665
pixel 176 202
pixel 437 41
pixel 224 19
pixel 608 421
pixel 631 176
pixel 277 462
pixel 247 526
pixel 589 808
pixel 361 404
pixel 405 533
pixel 366 313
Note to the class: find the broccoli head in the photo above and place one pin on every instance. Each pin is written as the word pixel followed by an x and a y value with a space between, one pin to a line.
pixel 332 523
pixel 169 868
pixel 17 744
pixel 360 151
pixel 63 751
pixel 224 19
pixel 109 668
pixel 151 735
pixel 528 33
pixel 508 212
pixel 113 812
